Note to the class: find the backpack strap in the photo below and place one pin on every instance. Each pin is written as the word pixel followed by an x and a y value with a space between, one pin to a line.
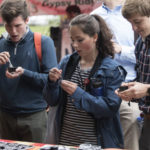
pixel 37 42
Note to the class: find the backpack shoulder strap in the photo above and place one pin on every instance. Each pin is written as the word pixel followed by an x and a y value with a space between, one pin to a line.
pixel 37 42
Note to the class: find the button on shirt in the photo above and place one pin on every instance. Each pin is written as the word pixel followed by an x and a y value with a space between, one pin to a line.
pixel 123 35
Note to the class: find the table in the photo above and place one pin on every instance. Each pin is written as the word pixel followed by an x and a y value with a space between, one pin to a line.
pixel 21 145
pixel 17 145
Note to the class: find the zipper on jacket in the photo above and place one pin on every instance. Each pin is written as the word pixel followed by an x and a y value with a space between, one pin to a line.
pixel 15 50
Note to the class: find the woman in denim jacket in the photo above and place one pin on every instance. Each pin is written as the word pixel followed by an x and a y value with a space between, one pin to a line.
pixel 83 85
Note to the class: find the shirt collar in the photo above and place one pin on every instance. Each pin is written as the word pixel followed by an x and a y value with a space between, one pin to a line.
pixel 116 9
pixel 147 41
pixel 146 38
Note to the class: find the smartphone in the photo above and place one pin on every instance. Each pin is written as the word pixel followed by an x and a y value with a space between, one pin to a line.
pixel 11 69
pixel 123 88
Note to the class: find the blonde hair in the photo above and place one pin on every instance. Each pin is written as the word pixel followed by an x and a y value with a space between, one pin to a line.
pixel 133 7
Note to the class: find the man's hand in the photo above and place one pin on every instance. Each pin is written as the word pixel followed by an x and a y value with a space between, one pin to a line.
pixel 117 48
pixel 19 71
pixel 54 74
pixel 135 90
pixel 4 57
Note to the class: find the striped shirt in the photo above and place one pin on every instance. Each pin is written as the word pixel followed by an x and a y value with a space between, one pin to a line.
pixel 78 125
pixel 143 70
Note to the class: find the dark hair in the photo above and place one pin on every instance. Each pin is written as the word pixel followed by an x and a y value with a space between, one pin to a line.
pixel 73 9
pixel 92 24
pixel 10 9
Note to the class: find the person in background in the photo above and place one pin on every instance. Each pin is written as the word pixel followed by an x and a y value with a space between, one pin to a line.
pixel 123 42
pixel 60 35
pixel 83 87
pixel 137 12
pixel 72 11
pixel 23 113
pixel 66 47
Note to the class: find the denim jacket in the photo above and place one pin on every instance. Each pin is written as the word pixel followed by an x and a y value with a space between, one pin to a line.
pixel 104 107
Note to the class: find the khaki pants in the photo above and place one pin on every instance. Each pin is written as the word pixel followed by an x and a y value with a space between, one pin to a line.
pixel 131 130
pixel 51 129
pixel 25 127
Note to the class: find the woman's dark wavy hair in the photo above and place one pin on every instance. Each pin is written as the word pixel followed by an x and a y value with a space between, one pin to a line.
pixel 92 24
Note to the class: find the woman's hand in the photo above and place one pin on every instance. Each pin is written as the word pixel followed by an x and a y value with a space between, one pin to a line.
pixel 68 86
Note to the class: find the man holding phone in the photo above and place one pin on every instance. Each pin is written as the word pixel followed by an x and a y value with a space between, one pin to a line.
pixel 138 14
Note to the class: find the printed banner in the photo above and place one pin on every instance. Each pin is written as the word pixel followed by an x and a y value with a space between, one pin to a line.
pixel 57 7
